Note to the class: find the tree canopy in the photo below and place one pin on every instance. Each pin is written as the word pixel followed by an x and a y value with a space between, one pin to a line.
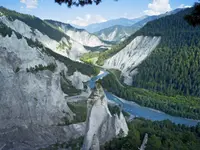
pixel 194 18
pixel 78 2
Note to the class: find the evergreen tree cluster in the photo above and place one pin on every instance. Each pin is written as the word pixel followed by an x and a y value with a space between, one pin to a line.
pixel 174 66
pixel 162 135
pixel 78 2
pixel 194 18
pixel 177 105
pixel 40 67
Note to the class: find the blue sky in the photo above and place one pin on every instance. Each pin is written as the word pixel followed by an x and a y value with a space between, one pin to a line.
pixel 108 9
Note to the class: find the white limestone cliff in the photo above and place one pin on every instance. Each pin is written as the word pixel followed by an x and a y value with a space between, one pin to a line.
pixel 32 104
pixel 101 126
pixel 132 55
pixel 72 49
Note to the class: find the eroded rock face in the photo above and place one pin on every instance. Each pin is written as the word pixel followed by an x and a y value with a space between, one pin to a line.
pixel 31 104
pixel 33 137
pixel 101 125
pixel 132 55
pixel 77 80
pixel 66 47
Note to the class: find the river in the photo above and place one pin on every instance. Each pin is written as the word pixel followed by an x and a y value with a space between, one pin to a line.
pixel 139 111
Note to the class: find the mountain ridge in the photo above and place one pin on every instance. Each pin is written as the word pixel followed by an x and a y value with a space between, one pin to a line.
pixel 121 21
pixel 78 35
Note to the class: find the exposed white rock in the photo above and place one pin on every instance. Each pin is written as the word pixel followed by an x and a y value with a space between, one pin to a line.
pixel 132 55
pixel 32 104
pixel 116 33
pixel 110 37
pixel 33 93
pixel 76 51
pixel 79 35
pixel 101 125
pixel 84 38
pixel 1 14
pixel 33 137
pixel 29 57
pixel 72 49
pixel 77 80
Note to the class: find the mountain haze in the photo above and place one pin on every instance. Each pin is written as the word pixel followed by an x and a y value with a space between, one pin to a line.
pixel 121 21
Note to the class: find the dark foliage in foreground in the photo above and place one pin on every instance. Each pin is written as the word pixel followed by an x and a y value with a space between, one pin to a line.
pixel 163 135
pixel 78 3
pixel 194 18
pixel 177 105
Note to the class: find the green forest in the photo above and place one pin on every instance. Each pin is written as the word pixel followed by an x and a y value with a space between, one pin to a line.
pixel 174 66
pixel 169 79
pixel 162 135
pixel 177 105
pixel 51 67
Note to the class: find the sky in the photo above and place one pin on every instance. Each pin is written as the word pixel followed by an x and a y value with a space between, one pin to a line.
pixel 107 10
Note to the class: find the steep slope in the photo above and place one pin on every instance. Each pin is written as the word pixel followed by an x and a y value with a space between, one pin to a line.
pixel 79 35
pixel 37 85
pixel 159 133
pixel 32 101
pixel 102 127
pixel 34 28
pixel 173 67
pixel 116 33
pixel 92 28
pixel 119 33
pixel 132 55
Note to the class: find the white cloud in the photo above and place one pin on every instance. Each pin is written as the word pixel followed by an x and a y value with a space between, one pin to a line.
pixel 30 3
pixel 184 6
pixel 87 19
pixel 158 7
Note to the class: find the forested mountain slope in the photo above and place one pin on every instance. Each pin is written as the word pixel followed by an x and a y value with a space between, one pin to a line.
pixel 168 79
pixel 173 67
pixel 162 135
pixel 116 48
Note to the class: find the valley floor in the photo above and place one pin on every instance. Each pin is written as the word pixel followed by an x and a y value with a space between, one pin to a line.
pixel 177 105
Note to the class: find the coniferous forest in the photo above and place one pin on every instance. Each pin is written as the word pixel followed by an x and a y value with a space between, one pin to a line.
pixel 174 66
pixel 177 105
pixel 162 135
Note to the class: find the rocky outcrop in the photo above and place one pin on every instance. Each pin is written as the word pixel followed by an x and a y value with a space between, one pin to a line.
pixel 32 104
pixel 34 110
pixel 132 55
pixel 79 35
pixel 33 137
pixel 144 143
pixel 66 46
pixel 101 125
pixel 77 80
pixel 83 37
pixel 116 33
